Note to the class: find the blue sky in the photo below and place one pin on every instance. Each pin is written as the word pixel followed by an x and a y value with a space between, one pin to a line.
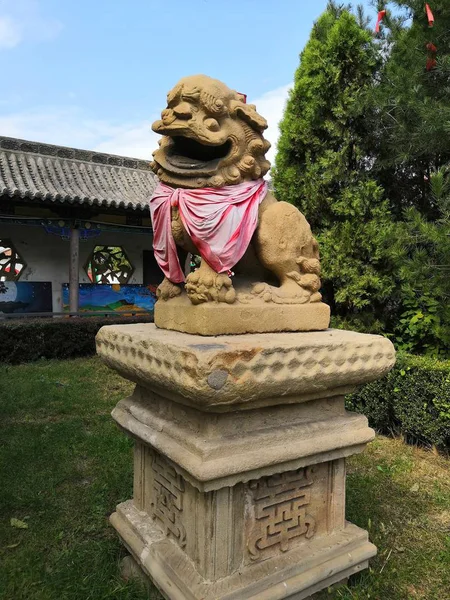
pixel 94 74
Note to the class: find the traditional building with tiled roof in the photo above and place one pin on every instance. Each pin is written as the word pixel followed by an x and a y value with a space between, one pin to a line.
pixel 75 230
pixel 47 173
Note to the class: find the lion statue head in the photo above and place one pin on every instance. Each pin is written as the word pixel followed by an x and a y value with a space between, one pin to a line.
pixel 211 137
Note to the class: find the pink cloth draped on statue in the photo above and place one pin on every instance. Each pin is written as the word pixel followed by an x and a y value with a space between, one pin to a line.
pixel 219 221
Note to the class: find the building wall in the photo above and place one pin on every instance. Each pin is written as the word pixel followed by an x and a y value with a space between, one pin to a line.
pixel 47 255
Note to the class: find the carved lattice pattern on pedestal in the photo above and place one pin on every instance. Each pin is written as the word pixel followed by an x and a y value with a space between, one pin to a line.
pixel 167 505
pixel 280 511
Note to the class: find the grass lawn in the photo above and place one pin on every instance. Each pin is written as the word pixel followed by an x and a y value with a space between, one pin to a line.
pixel 64 466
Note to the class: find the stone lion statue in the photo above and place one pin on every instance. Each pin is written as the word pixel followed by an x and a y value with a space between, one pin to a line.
pixel 212 201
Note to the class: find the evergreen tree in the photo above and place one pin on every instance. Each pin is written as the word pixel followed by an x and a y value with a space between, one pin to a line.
pixel 413 105
pixel 412 148
pixel 323 166
pixel 424 325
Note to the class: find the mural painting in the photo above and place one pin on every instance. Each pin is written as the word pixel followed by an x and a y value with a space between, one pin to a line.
pixel 113 297
pixel 25 296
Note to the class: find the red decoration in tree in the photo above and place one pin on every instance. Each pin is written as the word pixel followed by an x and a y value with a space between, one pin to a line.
pixel 380 17
pixel 430 15
pixel 431 58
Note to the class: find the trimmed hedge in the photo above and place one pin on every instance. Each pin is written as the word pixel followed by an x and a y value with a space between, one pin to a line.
pixel 412 400
pixel 31 339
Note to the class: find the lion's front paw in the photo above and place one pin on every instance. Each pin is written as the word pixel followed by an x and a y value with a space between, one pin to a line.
pixel 167 290
pixel 209 286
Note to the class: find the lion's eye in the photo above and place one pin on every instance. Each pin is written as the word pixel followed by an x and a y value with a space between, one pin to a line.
pixel 212 124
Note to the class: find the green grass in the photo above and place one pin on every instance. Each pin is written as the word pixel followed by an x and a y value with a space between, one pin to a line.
pixel 64 466
pixel 401 495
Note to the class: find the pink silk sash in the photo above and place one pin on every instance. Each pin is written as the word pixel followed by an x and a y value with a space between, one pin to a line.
pixel 219 221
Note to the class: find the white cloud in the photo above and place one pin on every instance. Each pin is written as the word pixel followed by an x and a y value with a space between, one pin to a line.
pixel 22 20
pixel 10 34
pixel 137 140
pixel 71 127
pixel 65 126
pixel 271 106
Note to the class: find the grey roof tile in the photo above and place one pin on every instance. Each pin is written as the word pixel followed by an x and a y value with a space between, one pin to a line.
pixel 54 173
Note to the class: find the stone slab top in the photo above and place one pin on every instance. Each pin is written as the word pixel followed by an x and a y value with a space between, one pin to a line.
pixel 236 372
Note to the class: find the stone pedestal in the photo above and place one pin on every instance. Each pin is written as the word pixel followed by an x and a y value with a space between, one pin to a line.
pixel 239 460
pixel 258 316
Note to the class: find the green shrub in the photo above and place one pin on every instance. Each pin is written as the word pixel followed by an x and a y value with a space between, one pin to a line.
pixel 27 340
pixel 412 400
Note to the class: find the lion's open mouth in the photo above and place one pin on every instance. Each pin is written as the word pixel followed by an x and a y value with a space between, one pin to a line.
pixel 187 153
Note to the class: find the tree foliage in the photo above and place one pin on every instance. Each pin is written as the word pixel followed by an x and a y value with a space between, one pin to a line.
pixel 412 98
pixel 323 166
pixel 364 152
pixel 412 105
pixel 424 324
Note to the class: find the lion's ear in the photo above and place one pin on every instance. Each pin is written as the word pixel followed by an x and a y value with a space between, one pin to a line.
pixel 248 113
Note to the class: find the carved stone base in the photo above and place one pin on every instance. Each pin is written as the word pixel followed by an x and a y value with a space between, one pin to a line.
pixel 219 318
pixel 131 570
pixel 239 461
pixel 214 451
pixel 296 575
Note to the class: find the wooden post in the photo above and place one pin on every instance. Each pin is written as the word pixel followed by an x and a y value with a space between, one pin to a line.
pixel 74 269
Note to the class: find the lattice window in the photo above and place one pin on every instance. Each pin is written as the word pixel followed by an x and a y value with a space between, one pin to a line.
pixel 109 264
pixel 11 263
